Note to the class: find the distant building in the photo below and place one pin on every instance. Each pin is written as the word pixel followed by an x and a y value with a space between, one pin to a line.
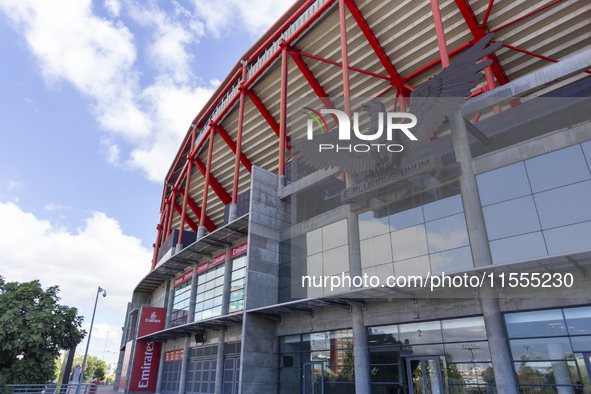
pixel 498 198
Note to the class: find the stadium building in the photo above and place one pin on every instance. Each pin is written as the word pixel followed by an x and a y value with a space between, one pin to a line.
pixel 464 268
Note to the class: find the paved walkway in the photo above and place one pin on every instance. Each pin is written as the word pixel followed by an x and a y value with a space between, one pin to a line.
pixel 106 390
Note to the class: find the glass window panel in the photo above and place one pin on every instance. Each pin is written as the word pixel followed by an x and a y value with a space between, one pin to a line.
pixel 422 350
pixel 447 233
pixel 555 372
pixel 386 355
pixel 503 184
pixel 408 218
pixel 567 205
pixel 314 241
pixel 581 344
pixel 410 242
pixel 521 247
pixel 289 344
pixel 334 235
pixel 541 349
pixel 417 333
pixel 416 266
pixel 376 250
pixel 217 311
pixel 514 217
pixel 580 361
pixel 473 375
pixel 566 239
pixel 335 261
pixel 369 226
pixel 446 207
pixel 535 324
pixel 451 260
pixel 578 320
pixel 467 351
pixel 385 335
pixel 556 169
pixel 238 274
pixel 237 295
pixel 386 373
pixel 467 329
pixel 238 262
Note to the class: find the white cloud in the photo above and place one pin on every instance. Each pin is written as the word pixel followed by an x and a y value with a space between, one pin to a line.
pixel 144 118
pixel 113 7
pixel 13 185
pixel 254 16
pixel 54 207
pixel 96 254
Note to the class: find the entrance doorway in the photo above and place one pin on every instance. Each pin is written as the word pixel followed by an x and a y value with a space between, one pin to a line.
pixel 313 377
pixel 424 375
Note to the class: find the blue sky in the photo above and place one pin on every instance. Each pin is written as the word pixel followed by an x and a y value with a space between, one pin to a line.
pixel 95 98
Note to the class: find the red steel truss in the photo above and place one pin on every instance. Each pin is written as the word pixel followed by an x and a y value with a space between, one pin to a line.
pixel 279 46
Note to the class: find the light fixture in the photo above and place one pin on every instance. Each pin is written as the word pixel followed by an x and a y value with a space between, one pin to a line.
pixel 100 290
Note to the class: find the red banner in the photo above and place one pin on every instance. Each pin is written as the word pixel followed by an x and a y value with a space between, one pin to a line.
pixel 145 366
pixel 240 249
pixel 183 278
pixel 174 355
pixel 151 320
pixel 218 259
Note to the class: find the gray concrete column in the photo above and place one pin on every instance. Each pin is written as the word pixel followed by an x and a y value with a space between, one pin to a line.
pixel 200 232
pixel 219 367
pixel 192 295
pixel 232 213
pixel 489 303
pixel 361 361
pixel 160 370
pixel 169 303
pixel 227 281
pixel 184 365
pixel 360 351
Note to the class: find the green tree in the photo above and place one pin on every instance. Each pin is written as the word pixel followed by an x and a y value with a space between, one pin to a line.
pixel 94 368
pixel 34 327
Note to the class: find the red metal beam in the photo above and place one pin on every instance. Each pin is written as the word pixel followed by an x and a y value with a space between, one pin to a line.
pixel 238 146
pixel 341 65
pixel 375 44
pixel 188 219
pixel 215 185
pixel 318 89
pixel 526 15
pixel 283 106
pixel 263 110
pixel 232 145
pixel 486 15
pixel 209 225
pixel 186 193
pixel 207 175
pixel 440 32
pixel 478 32
pixel 345 52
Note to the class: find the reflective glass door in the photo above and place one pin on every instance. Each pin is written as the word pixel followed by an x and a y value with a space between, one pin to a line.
pixel 313 378
pixel 424 375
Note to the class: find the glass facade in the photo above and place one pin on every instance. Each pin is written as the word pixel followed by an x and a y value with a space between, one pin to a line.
pixel 449 355
pixel 180 307
pixel 550 349
pixel 210 287
pixel 538 207
pixel 237 284
pixel 427 233
pixel 319 361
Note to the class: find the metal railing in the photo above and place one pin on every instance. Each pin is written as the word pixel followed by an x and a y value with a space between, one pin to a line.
pixel 50 388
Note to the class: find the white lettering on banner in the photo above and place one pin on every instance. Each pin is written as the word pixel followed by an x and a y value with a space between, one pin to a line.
pixel 147 365
pixel 239 249
pixel 152 318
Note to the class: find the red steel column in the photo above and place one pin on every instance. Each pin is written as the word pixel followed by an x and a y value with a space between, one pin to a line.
pixel 201 230
pixel 239 139
pixel 345 56
pixel 440 33
pixel 283 112
pixel 187 186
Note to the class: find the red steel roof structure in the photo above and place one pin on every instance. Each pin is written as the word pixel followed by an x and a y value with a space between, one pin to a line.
pixel 347 48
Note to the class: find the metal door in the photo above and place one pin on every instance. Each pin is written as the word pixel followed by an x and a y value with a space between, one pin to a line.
pixel 424 375
pixel 313 377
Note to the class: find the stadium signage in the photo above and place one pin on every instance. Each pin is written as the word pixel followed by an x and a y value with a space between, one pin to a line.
pixel 183 278
pixel 419 167
pixel 145 366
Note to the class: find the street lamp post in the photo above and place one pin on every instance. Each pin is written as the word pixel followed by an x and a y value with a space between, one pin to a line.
pixel 100 290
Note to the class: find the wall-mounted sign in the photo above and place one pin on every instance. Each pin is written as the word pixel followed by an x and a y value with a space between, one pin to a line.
pixel 151 320
pixel 145 366
pixel 174 355
pixel 218 259
pixel 240 249
pixel 183 278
